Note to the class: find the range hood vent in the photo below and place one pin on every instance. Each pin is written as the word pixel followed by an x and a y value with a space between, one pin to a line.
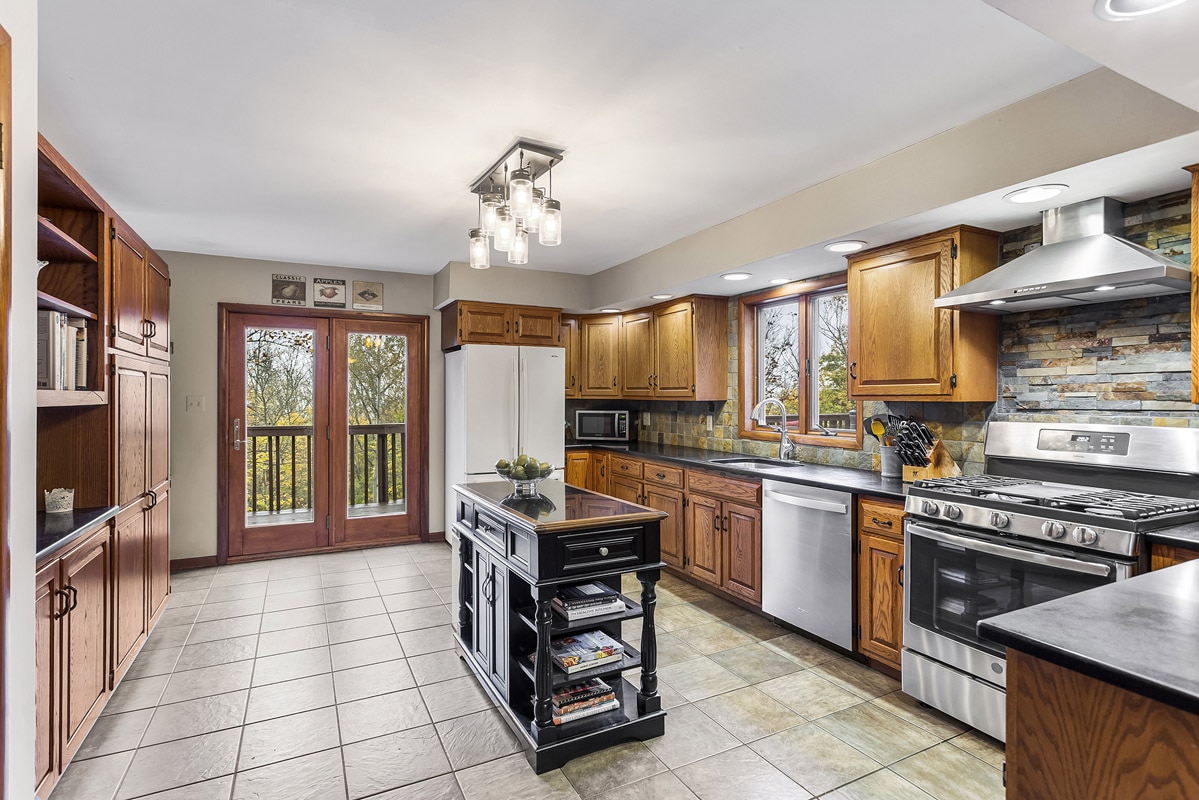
pixel 1082 260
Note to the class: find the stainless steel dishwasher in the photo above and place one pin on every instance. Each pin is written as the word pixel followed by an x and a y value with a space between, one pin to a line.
pixel 807 559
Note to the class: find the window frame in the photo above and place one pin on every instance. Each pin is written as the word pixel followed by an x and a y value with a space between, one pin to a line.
pixel 747 346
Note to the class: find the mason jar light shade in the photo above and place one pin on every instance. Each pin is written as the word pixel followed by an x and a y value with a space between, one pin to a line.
pixel 491 202
pixel 519 252
pixel 480 250
pixel 520 193
pixel 505 229
pixel 532 221
pixel 551 223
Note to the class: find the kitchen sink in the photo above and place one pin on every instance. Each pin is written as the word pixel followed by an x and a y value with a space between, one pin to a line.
pixel 749 462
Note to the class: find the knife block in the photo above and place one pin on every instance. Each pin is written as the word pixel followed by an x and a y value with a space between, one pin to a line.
pixel 941 465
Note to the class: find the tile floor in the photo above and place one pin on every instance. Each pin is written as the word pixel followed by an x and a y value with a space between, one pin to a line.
pixel 335 676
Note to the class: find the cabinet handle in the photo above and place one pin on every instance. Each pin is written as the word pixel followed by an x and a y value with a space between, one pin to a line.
pixel 882 523
pixel 145 328
pixel 716 522
pixel 507 327
pixel 603 551
pixel 153 497
pixel 74 598
pixel 63 611
pixel 572 380
pixel 661 475
pixel 724 523
pixel 613 380
pixel 900 574
pixel 518 327
pixel 853 374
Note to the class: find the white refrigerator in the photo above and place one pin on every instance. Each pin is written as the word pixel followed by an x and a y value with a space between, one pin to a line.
pixel 501 401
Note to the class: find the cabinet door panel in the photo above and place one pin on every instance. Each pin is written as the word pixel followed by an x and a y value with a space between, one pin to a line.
pixel 129 588
pixel 158 547
pixel 669 501
pixel 674 345
pixel 158 308
pixel 499 628
pixel 158 429
pixel 484 323
pixel 84 660
pixel 703 538
pixel 599 473
pixel 637 355
pixel 481 619
pixel 131 392
pixel 536 326
pixel 46 604
pixel 128 293
pixel 902 344
pixel 577 466
pixel 569 339
pixel 743 551
pixel 626 489
pixel 880 598
pixel 600 365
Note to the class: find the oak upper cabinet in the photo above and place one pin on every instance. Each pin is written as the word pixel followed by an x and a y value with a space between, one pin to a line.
pixel 691 349
pixel 471 322
pixel 140 296
pixel 599 343
pixel 880 580
pixel 637 354
pixel 569 334
pixel 900 345
pixel 578 467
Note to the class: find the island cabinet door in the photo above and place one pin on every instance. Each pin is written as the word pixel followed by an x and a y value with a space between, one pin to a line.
pixel 669 501
pixel 481 619
pixel 703 538
pixel 499 628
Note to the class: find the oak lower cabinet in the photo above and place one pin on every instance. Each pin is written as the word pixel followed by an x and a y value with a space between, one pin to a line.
pixel 129 556
pixel 578 467
pixel 724 545
pixel 900 345
pixel 599 472
pixel 158 556
pixel 669 501
pixel 1166 555
pixel 624 488
pixel 880 581
pixel 72 600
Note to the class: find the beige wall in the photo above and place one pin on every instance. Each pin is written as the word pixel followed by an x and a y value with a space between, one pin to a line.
pixel 19 18
pixel 528 287
pixel 198 284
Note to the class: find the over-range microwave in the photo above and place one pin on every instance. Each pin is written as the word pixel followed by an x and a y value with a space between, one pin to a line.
pixel 603 426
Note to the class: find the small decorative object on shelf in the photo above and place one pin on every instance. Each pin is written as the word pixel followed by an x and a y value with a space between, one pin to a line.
pixel 60 501
pixel 524 473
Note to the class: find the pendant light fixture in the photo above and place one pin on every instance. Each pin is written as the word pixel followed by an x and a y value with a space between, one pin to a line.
pixel 511 207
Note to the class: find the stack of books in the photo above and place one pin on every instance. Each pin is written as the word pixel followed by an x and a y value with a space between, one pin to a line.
pixel 587 600
pixel 582 651
pixel 584 699
pixel 61 351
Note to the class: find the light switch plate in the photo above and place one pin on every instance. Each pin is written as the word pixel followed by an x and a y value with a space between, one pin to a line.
pixel 645 418
pixel 194 402
pixel 708 422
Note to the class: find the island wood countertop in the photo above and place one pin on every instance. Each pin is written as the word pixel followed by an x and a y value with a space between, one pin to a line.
pixel 558 507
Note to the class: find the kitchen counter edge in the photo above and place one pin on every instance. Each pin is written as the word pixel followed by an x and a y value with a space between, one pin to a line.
pixel 54 532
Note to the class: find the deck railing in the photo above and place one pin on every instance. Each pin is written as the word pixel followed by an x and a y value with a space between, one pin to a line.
pixel 279 466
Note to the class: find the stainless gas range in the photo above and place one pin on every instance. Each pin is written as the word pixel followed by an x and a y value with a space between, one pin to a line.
pixel 1061 509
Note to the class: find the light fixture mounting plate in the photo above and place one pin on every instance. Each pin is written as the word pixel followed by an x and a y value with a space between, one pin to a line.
pixel 538 158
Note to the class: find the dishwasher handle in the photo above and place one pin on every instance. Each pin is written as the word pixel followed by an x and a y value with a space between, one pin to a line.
pixel 808 502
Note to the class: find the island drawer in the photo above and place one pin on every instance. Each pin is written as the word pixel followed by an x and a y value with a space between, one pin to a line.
pixel 587 552
pixel 491 530
pixel 622 465
pixel 664 475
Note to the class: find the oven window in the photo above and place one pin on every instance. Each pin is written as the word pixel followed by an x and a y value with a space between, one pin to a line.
pixel 951 588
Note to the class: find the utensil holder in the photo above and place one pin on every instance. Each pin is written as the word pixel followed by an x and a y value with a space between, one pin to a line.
pixel 941 465
pixel 889 464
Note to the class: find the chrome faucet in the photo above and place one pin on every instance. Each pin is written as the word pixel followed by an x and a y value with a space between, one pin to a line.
pixel 786 446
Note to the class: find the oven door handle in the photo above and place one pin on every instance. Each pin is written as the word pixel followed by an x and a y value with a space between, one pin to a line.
pixel 1014 553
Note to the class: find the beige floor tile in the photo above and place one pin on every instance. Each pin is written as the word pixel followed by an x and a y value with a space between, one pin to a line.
pixel 390 572
pixel 292 618
pixel 411 583
pixel 808 694
pixel 194 717
pixel 292 639
pixel 739 774
pixel 319 776
pixel 245 591
pixel 221 651
pixel 208 681
pixel 756 627
pixel 700 678
pixel 115 733
pixel 153 662
pixel 443 787
pixel 755 663
pixel 164 637
pixel 442 665
pixel 182 615
pixel 354 609
pixel 881 785
pixel 215 789
pixel 382 714
pixel 427 640
pixel 599 772
pixel 410 600
pixel 360 652
pixel 691 735
pixel 132 695
pixel 476 738
pixel 346 577
pixel 854 677
pixel 713 637
pixel 181 598
pixel 663 786
pixel 882 736
pixel 223 629
pixel 392 761
pixel 512 778
pixel 372 679
pixel 749 714
pixel 718 607
pixel 454 698
pixel 949 773
pixel 674 618
pixel 303 599
pixel 352 591
pixel 801 650
pixel 288 737
pixel 671 649
pixel 290 697
pixel 814 758
pixel 981 746
pixel 289 666
pixel 291 584
pixel 167 766
pixel 417 618
pixel 230 608
pixel 350 630
pixel 908 708
pixel 93 778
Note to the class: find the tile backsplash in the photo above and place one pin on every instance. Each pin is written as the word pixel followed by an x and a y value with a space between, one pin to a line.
pixel 1125 363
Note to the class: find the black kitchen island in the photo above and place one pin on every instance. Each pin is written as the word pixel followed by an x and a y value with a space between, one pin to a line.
pixel 514 555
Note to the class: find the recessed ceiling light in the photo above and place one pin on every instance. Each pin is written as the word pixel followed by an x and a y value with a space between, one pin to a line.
pixel 737 276
pixel 1127 10
pixel 1036 194
pixel 779 281
pixel 609 310
pixel 660 296
pixel 998 302
pixel 1104 288
pixel 847 246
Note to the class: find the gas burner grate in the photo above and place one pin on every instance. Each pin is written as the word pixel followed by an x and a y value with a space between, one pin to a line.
pixel 969 484
pixel 1127 505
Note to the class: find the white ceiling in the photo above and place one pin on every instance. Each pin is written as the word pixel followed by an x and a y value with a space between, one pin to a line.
pixel 346 133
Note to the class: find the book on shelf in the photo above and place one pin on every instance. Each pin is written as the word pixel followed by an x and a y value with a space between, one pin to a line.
pixel 79 329
pixel 578 696
pixel 66 343
pixel 585 650
pixel 47 349
pixel 582 666
pixel 602 708
pixel 614 606
pixel 61 351
pixel 584 595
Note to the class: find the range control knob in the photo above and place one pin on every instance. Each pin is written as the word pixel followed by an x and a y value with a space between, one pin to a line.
pixel 930 508
pixel 999 519
pixel 1054 530
pixel 1085 535
pixel 953 512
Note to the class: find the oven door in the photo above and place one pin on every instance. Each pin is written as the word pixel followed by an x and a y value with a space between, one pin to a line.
pixel 956 578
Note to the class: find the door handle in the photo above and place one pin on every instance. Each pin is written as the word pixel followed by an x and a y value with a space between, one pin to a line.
pixel 62 612
pixel 852 374
pixel 237 434
pixel 74 598
pixel 724 523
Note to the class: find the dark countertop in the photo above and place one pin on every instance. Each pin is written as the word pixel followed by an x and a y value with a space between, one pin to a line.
pixel 855 481
pixel 1181 535
pixel 1138 634
pixel 56 531
pixel 557 506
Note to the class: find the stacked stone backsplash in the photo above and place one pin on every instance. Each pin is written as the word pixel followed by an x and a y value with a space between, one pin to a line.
pixel 1125 363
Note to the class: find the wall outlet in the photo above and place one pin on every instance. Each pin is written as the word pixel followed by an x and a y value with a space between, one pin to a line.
pixel 708 422
pixel 194 402
pixel 645 419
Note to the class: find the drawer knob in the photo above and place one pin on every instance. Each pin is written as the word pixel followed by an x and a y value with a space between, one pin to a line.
pixel 603 551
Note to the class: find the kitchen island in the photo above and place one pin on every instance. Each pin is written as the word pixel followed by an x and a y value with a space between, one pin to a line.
pixel 514 555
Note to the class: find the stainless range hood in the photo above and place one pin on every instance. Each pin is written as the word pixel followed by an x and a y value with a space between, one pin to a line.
pixel 1082 260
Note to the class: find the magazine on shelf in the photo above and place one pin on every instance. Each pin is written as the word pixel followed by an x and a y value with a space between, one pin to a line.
pixel 589 689
pixel 584 650
pixel 582 666
pixel 611 705
pixel 586 594
pixel 615 606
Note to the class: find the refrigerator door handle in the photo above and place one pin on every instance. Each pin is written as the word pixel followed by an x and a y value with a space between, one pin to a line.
pixel 516 431
pixel 522 401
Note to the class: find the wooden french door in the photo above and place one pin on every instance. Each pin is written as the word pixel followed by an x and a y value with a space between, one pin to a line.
pixel 324 436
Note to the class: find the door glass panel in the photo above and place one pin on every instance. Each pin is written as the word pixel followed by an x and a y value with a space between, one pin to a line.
pixel 280 364
pixel 830 405
pixel 377 404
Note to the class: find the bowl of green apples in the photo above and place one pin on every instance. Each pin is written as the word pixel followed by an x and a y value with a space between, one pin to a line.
pixel 524 473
